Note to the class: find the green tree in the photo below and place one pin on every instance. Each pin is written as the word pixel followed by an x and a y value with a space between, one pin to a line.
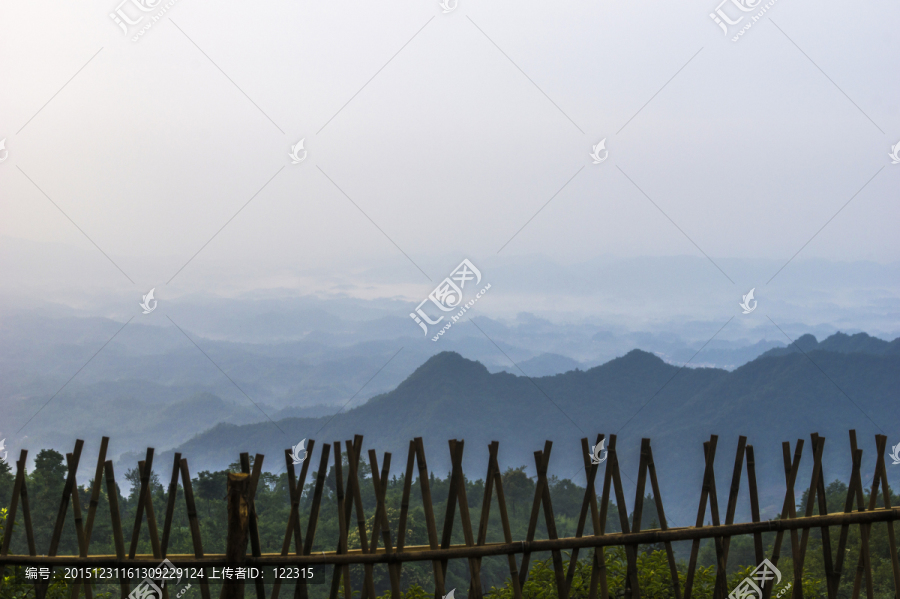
pixel 211 485
pixel 45 489
pixel 518 488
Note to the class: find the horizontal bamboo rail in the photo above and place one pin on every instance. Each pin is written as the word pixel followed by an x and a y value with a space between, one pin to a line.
pixel 418 553
pixel 393 551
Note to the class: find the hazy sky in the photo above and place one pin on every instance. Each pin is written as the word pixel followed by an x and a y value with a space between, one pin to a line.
pixel 441 136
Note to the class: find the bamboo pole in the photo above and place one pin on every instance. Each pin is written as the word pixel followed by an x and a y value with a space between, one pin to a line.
pixel 79 533
pixel 429 515
pixel 238 525
pixel 40 590
pixel 193 520
pixel 504 519
pixel 354 451
pixel 535 512
pixel 295 489
pixel 589 502
pixel 172 495
pixel 300 591
pixel 787 509
pixel 826 534
pixel 342 572
pixel 881 442
pixel 112 493
pixel 670 554
pixel 474 564
pixel 709 452
pixel 381 484
pixel 253 524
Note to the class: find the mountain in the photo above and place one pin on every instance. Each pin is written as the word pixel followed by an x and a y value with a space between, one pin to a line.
pixel 770 400
pixel 841 343
pixel 546 364
pixel 64 377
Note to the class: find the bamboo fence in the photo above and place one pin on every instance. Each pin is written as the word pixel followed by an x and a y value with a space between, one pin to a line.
pixel 393 551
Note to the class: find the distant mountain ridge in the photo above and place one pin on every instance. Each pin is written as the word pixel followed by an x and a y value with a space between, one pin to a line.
pixel 546 364
pixel 841 343
pixel 772 399
pixel 149 364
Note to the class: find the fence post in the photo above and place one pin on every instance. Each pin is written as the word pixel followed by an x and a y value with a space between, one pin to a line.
pixel 238 522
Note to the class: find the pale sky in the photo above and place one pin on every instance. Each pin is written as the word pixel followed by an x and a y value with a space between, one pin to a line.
pixel 448 132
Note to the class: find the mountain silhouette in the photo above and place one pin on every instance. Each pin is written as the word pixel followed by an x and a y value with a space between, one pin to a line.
pixel 841 343
pixel 772 399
